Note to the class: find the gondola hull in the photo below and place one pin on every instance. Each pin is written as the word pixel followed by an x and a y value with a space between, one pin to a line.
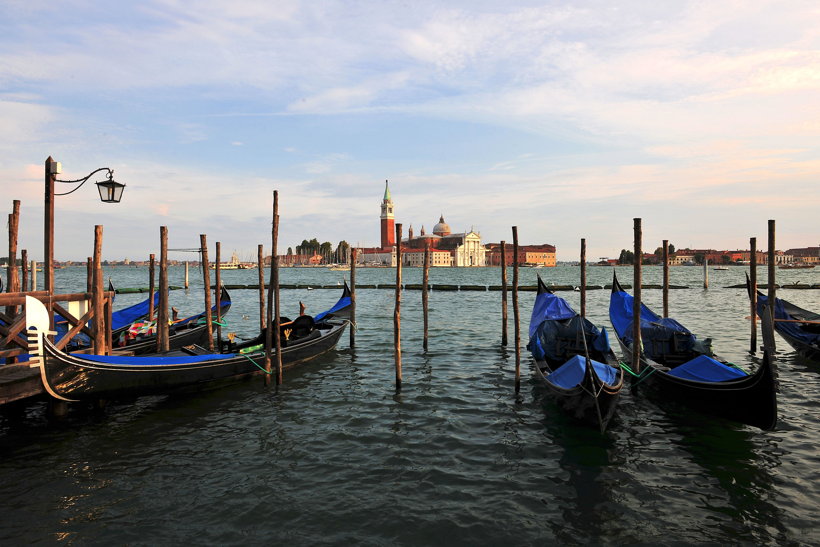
pixel 798 327
pixel 77 377
pixel 591 402
pixel 749 399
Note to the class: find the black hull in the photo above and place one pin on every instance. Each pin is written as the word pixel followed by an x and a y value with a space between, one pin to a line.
pixel 751 400
pixel 809 351
pixel 592 402
pixel 795 314
pixel 71 378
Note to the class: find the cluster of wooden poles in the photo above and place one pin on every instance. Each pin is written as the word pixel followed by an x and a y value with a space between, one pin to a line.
pixel 637 282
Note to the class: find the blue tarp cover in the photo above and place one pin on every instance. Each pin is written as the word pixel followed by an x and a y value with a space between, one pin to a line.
pixel 142 361
pixel 342 303
pixel 795 330
pixel 549 306
pixel 705 369
pixel 571 373
pixel 553 340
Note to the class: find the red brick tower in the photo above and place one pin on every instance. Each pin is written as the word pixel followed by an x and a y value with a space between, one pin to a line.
pixel 387 220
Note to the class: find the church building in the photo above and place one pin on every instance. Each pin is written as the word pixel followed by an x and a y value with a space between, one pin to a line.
pixel 446 248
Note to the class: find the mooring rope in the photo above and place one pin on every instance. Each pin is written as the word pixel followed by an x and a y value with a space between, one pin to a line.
pixel 647 372
pixel 255 363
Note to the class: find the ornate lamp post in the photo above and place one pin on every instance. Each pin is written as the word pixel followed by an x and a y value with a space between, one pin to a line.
pixel 110 192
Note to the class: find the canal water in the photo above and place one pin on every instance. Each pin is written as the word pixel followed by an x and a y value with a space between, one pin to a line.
pixel 335 456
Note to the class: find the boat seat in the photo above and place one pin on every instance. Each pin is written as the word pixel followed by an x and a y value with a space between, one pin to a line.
pixel 195 349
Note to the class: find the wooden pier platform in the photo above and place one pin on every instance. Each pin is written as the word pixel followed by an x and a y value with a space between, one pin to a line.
pixel 19 381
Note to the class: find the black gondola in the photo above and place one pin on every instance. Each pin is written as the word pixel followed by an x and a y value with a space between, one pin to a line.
pixel 799 328
pixel 73 377
pixel 574 361
pixel 682 368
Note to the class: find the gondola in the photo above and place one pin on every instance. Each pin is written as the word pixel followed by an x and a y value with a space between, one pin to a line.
pixel 799 328
pixel 677 366
pixel 73 377
pixel 140 338
pixel 573 360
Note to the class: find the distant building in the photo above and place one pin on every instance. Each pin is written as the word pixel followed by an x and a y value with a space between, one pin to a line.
pixel 805 255
pixel 535 255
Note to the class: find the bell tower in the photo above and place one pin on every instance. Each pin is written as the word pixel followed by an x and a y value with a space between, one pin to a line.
pixel 387 220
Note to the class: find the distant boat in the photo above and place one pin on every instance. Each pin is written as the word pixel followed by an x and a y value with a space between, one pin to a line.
pixel 720 268
pixel 795 266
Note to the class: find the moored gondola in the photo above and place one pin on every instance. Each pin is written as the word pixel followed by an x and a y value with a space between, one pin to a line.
pixel 78 376
pixel 679 367
pixel 573 360
pixel 799 328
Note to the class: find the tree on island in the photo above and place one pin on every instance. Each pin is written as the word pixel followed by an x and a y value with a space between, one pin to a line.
pixel 626 257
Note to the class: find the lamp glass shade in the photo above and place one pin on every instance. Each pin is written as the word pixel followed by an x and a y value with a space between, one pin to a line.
pixel 110 191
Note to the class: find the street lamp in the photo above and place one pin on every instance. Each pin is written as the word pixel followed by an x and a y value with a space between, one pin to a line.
pixel 110 192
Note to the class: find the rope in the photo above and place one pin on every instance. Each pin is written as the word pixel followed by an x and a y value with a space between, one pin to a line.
pixel 648 371
pixel 257 364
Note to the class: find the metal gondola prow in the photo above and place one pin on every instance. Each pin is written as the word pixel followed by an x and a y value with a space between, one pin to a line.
pixel 769 348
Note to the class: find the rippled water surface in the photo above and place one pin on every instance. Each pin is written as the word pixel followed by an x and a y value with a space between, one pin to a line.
pixel 335 456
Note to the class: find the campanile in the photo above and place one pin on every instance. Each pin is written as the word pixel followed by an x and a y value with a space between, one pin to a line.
pixel 387 220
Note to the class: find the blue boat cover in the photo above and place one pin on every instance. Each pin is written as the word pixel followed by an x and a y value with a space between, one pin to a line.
pixel 142 361
pixel 342 303
pixel 571 373
pixel 550 338
pixel 705 369
pixel 665 334
pixel 795 330
pixel 549 306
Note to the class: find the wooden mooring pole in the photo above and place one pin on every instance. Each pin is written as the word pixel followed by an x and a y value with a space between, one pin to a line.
pixel 206 278
pixel 260 266
pixel 705 273
pixel 24 272
pixel 33 275
pixel 503 293
pixel 424 296
pixel 274 286
pixel 772 285
pixel 397 312
pixel 753 293
pixel 218 294
pixel 583 277
pixel 163 340
pixel 666 278
pixel 89 275
pixel 97 294
pixel 517 323
pixel 152 264
pixel 12 276
pixel 353 258
pixel 186 275
pixel 636 301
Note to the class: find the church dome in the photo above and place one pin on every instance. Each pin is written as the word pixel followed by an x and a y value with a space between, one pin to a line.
pixel 442 228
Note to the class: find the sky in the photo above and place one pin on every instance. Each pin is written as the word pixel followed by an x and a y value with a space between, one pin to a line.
pixel 565 119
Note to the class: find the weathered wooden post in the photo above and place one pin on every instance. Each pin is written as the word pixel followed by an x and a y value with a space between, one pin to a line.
pixel 33 275
pixel 89 274
pixel 274 286
pixel 772 286
pixel 503 293
pixel 515 312
pixel 218 294
pixel 152 263
pixel 425 297
pixel 97 294
pixel 163 340
pixel 583 277
pixel 753 292
pixel 260 266
pixel 12 278
pixel 186 275
pixel 48 231
pixel 705 273
pixel 397 312
pixel 636 301
pixel 24 264
pixel 666 278
pixel 353 257
pixel 206 277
